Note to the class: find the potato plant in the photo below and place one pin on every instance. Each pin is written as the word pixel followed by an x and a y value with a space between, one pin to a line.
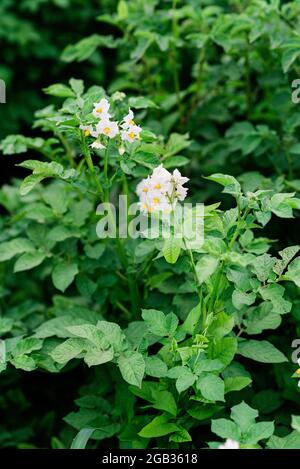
pixel 174 337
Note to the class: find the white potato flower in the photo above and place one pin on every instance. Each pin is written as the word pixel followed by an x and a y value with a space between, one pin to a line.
pixel 153 201
pixel 107 127
pixel 101 109
pixel 230 444
pixel 161 190
pixel 161 179
pixel 178 181
pixel 128 120
pixel 131 134
pixel 121 151
pixel 87 130
pixel 97 145
pixel 144 186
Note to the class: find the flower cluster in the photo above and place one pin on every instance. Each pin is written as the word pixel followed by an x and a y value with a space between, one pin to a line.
pixel 127 129
pixel 161 191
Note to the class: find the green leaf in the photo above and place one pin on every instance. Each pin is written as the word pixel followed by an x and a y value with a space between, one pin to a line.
pixel 91 333
pixel 112 333
pixel 159 426
pixel 176 162
pixel 176 143
pixel 83 49
pixel 232 186
pixel 296 423
pixel 205 364
pixel 27 345
pixel 221 325
pixel 68 350
pixel 185 380
pixel 159 323
pixel 204 411
pixel 261 351
pixel 59 90
pixel 282 204
pixel 293 272
pixel 181 436
pixel 82 437
pixel 86 286
pixel 122 9
pixel 225 428
pixel 263 266
pixel 29 260
pixel 63 275
pixel 139 102
pixel 77 86
pixel 288 58
pixel 236 383
pixel 287 255
pixel 205 268
pixel 146 159
pixel 155 367
pixel 95 356
pixel 161 400
pixel 16 246
pixel 211 387
pixel 171 249
pixel 94 252
pixel 132 367
pixel 240 299
pixel 267 401
pixel 223 349
pixel 23 362
pixel 290 441
pixel 258 431
pixel 274 293
pixel 61 233
pixel 191 323
pixel 243 415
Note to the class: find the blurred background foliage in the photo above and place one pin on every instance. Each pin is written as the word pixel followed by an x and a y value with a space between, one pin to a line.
pixel 33 34
pixel 220 71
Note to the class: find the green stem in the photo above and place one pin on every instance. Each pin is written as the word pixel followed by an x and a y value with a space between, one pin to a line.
pixel 238 227
pixel 106 154
pixel 133 289
pixel 216 290
pixel 198 287
pixel 290 164
pixel 67 147
pixel 90 164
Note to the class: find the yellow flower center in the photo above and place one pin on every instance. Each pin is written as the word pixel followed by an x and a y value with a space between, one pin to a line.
pixel 298 371
pixel 145 189
pixel 156 200
pixel 146 207
pixel 87 132
pixel 106 130
pixel 131 134
pixel 99 109
pixel 131 122
pixel 157 186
